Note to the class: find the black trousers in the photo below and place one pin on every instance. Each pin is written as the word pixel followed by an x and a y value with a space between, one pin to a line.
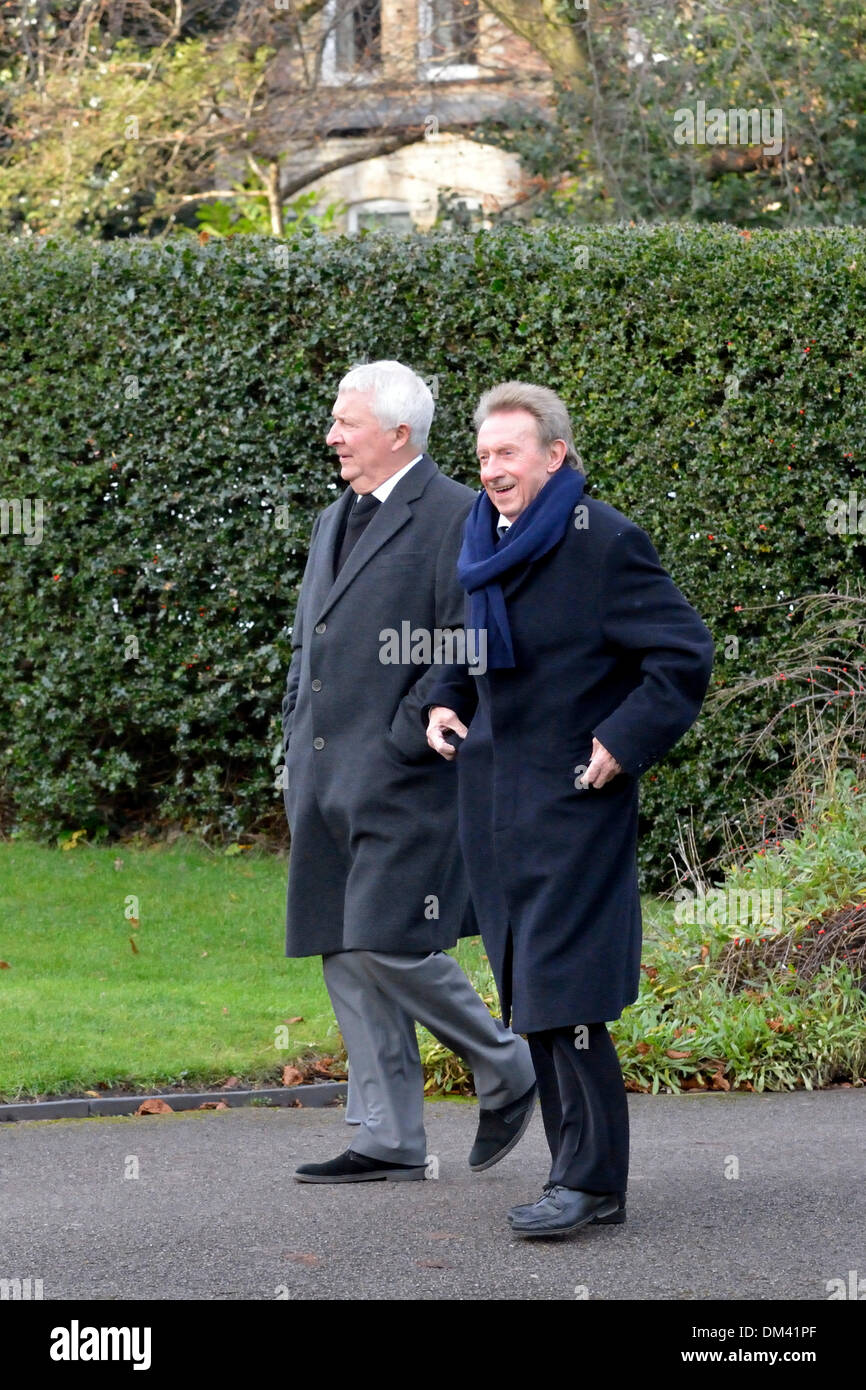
pixel 584 1107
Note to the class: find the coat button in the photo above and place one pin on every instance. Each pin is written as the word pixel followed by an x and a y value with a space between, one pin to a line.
pixel 316 684
pixel 318 743
pixel 320 628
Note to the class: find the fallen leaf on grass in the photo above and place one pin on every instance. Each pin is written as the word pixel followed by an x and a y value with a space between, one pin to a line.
pixel 297 1019
pixel 291 1076
pixel 672 1052
pixel 694 1083
pixel 719 1081
pixel 135 950
pixel 214 1105
pixel 4 965
pixel 643 1048
pixel 134 923
pixel 325 1067
pixel 154 1107
pixel 231 1081
pixel 92 1093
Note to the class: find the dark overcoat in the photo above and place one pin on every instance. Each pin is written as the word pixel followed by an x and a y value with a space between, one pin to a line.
pixel 372 810
pixel 605 645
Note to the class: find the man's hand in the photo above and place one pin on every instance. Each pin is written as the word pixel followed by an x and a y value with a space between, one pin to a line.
pixel 602 765
pixel 444 721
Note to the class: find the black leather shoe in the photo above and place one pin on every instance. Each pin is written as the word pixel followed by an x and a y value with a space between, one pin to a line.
pixel 529 1206
pixel 500 1130
pixel 616 1218
pixel 561 1210
pixel 354 1167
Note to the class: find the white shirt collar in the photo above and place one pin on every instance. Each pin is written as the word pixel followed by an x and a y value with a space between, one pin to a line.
pixel 384 489
pixel 502 525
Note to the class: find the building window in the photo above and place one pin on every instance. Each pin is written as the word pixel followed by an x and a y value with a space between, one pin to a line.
pixel 379 214
pixel 448 36
pixel 359 36
pixel 353 39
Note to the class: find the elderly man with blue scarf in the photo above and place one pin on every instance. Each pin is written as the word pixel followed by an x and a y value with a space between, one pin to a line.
pixel 596 664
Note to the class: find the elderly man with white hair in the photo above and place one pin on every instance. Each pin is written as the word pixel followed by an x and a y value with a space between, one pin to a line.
pixel 376 882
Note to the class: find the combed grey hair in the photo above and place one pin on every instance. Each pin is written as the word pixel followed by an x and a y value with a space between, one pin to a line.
pixel 398 396
pixel 550 413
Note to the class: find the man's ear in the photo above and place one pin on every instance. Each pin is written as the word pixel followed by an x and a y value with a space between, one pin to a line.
pixel 558 451
pixel 402 435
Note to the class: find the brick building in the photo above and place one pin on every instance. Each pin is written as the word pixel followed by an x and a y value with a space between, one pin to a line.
pixel 398 83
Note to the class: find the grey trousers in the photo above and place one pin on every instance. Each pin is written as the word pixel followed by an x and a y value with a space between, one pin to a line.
pixel 377 996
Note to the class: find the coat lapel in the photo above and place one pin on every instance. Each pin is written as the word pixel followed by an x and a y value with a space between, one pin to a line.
pixel 391 517
pixel 326 541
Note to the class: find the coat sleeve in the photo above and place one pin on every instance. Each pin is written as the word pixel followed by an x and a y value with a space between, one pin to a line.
pixel 454 687
pixel 645 615
pixel 410 721
pixel 294 672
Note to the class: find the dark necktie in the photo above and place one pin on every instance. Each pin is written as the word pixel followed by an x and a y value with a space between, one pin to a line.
pixel 359 517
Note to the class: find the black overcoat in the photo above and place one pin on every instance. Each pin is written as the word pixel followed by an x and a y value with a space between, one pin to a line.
pixel 605 644
pixel 374 862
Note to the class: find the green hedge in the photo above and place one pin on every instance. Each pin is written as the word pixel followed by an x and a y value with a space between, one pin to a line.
pixel 169 403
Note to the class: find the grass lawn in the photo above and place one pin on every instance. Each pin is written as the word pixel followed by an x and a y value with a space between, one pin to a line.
pixel 208 991
pixel 200 1000
pixel 742 1001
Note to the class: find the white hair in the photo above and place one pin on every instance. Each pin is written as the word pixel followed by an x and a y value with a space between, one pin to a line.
pixel 398 396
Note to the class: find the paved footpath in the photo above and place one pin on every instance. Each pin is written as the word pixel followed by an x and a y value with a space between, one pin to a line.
pixel 214 1212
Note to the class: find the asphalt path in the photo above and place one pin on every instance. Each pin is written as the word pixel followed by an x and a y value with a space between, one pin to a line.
pixel 731 1196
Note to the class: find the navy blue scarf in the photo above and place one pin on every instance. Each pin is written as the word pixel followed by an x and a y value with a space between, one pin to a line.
pixel 482 562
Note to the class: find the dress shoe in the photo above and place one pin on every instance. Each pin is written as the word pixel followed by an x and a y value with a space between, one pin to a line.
pixel 616 1218
pixel 561 1210
pixel 499 1131
pixel 355 1167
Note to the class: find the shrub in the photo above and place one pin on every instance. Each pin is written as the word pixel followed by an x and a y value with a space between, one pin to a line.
pixel 168 403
